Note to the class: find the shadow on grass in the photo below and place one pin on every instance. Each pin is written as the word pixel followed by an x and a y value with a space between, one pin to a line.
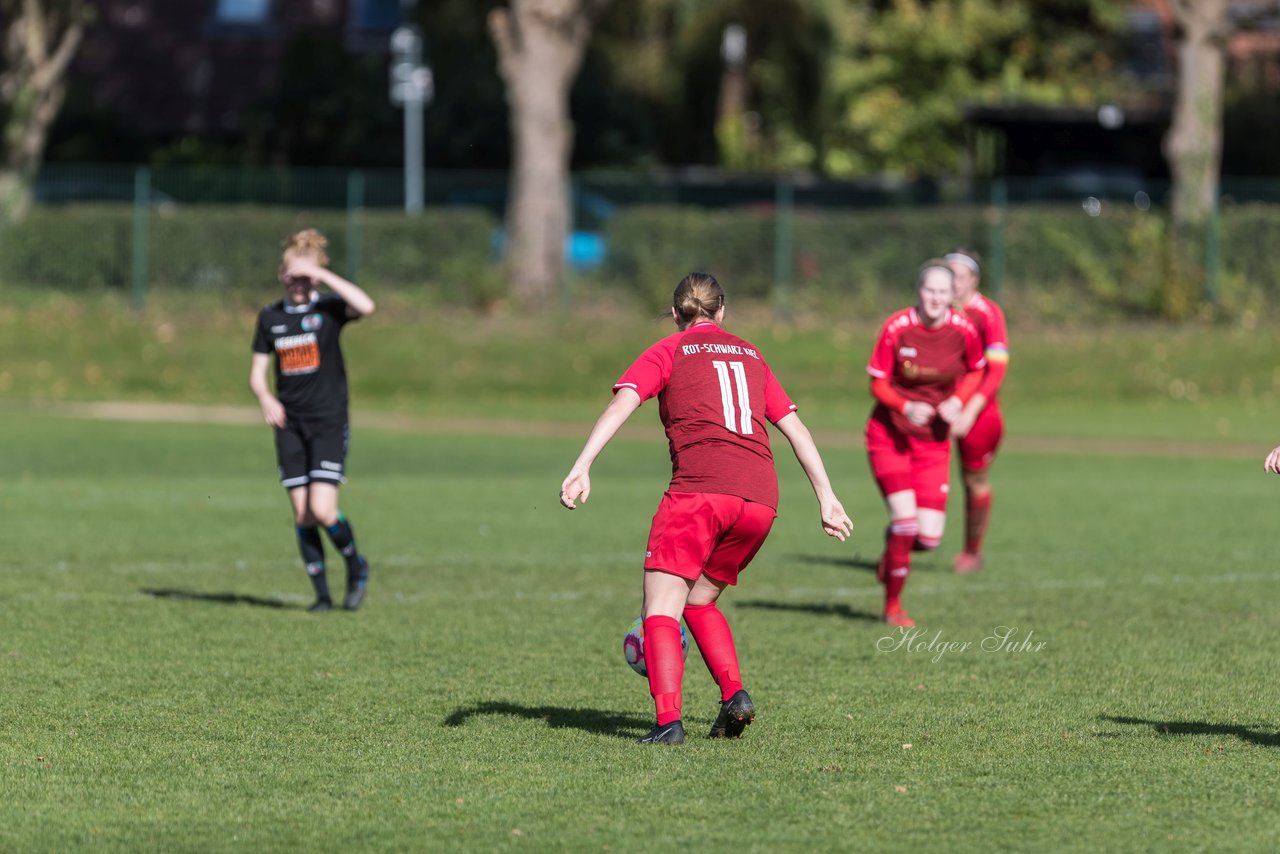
pixel 558 717
pixel 823 609
pixel 219 598
pixel 1253 735
pixel 855 562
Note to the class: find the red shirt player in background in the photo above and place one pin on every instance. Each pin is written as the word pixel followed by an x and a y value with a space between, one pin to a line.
pixel 923 369
pixel 715 394
pixel 980 426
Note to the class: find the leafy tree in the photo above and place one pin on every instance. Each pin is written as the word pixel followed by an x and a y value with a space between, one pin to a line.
pixel 665 57
pixel 903 71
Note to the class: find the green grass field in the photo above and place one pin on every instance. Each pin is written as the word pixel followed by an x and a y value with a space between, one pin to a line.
pixel 164 688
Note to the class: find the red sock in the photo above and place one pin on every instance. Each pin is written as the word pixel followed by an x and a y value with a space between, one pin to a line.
pixel 711 632
pixel 664 659
pixel 977 512
pixel 897 557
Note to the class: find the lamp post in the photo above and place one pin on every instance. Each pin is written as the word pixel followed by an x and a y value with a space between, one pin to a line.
pixel 412 87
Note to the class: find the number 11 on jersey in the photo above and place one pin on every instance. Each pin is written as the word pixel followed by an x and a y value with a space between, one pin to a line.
pixel 739 421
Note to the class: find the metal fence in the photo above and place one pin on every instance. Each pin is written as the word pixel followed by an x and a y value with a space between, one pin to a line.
pixel 1050 243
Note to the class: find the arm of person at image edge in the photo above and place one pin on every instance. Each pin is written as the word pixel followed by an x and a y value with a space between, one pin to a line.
pixel 997 355
pixel 652 369
pixel 359 304
pixel 1273 461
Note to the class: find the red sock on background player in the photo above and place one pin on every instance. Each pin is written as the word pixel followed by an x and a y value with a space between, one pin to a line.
pixel 664 661
pixel 977 513
pixel 896 563
pixel 711 632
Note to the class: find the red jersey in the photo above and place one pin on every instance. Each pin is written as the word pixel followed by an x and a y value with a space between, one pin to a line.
pixel 924 364
pixel 715 393
pixel 988 319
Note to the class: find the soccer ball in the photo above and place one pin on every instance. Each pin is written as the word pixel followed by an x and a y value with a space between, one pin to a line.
pixel 633 646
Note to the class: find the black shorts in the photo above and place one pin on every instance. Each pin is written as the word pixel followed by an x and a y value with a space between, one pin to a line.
pixel 311 451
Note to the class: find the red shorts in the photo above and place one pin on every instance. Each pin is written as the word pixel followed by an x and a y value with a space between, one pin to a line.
pixel 978 448
pixel 900 462
pixel 706 533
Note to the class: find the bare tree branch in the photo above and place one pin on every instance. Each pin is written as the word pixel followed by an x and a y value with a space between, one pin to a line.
pixel 41 37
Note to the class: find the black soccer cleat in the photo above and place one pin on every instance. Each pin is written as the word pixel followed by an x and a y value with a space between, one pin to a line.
pixel 735 713
pixel 356 583
pixel 321 605
pixel 672 733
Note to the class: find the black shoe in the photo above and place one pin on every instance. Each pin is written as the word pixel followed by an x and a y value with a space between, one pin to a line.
pixel 672 733
pixel 321 605
pixel 735 713
pixel 356 582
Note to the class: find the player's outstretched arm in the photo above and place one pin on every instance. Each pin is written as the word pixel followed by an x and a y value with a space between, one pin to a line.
pixel 272 409
pixel 834 520
pixel 358 302
pixel 1273 462
pixel 577 484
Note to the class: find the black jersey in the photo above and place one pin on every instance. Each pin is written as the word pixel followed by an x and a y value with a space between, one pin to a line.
pixel 311 378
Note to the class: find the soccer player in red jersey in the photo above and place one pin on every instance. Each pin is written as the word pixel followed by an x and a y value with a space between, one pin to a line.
pixel 716 395
pixel 980 426
pixel 308 410
pixel 924 368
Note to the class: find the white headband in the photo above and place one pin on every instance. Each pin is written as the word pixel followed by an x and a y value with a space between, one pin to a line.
pixel 963 259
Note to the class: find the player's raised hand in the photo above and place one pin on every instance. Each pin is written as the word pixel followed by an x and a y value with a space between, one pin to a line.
pixel 303 268
pixel 576 486
pixel 835 521
pixel 1273 462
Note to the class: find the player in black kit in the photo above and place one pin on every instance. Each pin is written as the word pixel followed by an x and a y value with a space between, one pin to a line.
pixel 309 408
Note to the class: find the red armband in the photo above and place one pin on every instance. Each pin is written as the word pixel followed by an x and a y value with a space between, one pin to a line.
pixel 882 391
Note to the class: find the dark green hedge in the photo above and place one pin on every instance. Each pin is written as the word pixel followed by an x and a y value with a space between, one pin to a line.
pixel 237 247
pixel 1059 262
pixel 861 256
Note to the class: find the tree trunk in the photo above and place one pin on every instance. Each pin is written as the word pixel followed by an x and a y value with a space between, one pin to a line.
pixel 538 204
pixel 40 39
pixel 1193 145
pixel 540 46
